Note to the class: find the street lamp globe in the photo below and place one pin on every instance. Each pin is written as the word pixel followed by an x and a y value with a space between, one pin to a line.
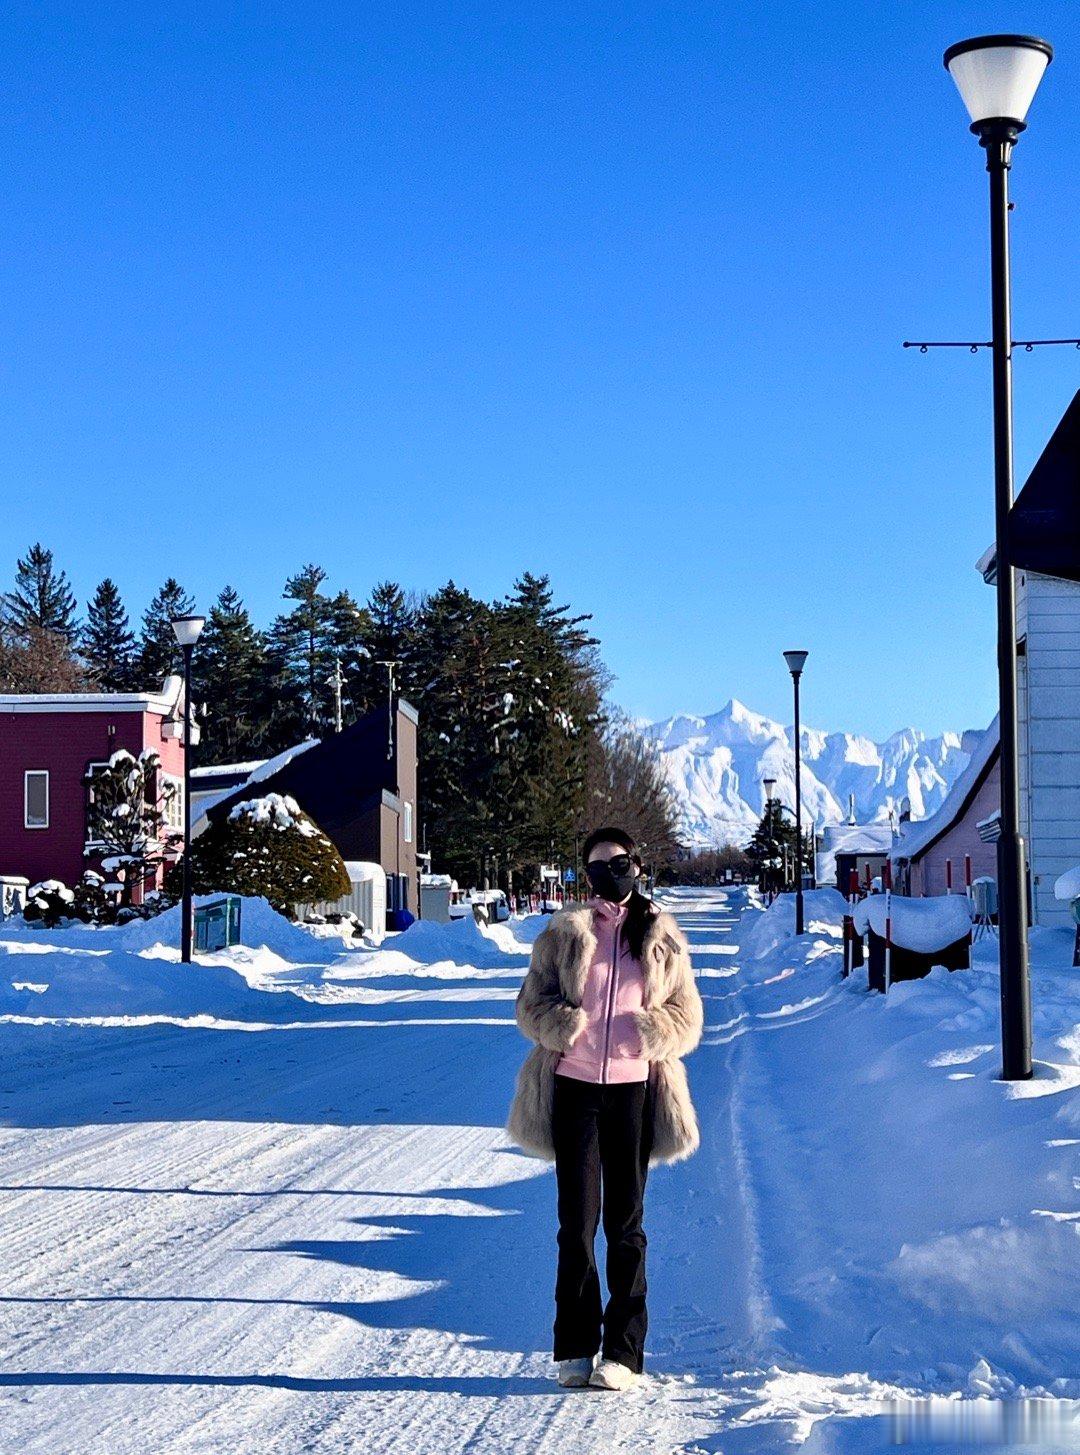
pixel 188 629
pixel 796 661
pixel 769 784
pixel 997 76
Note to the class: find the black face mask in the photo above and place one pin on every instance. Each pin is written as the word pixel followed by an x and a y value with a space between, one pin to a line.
pixel 609 884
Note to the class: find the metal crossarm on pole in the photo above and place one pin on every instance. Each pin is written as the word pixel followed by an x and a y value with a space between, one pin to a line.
pixel 1027 344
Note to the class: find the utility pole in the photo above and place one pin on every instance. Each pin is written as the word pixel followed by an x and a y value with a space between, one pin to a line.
pixel 391 666
pixel 337 682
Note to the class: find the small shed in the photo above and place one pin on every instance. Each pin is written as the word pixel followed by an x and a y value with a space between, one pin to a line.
pixel 843 847
pixel 366 899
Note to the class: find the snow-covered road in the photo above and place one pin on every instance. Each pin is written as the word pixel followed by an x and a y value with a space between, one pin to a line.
pixel 308 1232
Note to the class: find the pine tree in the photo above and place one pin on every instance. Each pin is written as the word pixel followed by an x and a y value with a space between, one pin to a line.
pixel 459 675
pixel 41 601
pixel 301 655
pixel 349 628
pixel 107 645
pixel 773 851
pixel 390 637
pixel 229 671
pixel 159 652
pixel 552 719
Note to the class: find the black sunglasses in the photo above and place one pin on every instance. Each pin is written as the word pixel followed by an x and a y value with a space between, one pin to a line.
pixel 619 865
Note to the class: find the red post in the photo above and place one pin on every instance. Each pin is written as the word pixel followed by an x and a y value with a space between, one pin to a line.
pixel 948 876
pixel 967 873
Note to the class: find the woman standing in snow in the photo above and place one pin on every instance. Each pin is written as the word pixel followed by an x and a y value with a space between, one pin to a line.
pixel 611 1002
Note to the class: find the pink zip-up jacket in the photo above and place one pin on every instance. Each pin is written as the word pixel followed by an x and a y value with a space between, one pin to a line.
pixel 609 1049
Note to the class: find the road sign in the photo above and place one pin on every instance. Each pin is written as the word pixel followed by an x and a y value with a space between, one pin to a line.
pixel 569 877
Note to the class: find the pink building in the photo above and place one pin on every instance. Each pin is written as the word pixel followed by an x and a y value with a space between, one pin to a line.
pixel 921 855
pixel 48 742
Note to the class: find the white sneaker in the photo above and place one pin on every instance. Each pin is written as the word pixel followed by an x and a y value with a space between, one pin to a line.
pixel 610 1375
pixel 574 1373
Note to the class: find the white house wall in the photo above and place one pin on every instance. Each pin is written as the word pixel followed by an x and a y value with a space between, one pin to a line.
pixel 1048 615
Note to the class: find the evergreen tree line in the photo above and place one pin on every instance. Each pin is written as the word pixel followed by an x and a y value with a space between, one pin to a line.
pixel 520 753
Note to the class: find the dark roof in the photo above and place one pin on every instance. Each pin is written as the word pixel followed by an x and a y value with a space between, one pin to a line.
pixel 343 775
pixel 1044 523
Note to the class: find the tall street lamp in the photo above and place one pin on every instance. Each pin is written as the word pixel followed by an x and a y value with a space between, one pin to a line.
pixel 997 77
pixel 796 661
pixel 187 629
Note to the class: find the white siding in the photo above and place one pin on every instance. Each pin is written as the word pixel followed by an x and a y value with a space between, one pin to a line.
pixel 1048 614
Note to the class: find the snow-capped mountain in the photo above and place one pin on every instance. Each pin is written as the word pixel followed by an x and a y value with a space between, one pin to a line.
pixel 717 765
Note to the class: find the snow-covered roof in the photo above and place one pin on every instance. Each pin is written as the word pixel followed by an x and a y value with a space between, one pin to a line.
pixel 850 838
pixel 858 838
pixel 360 871
pixel 922 925
pixel 210 770
pixel 916 838
pixel 259 774
pixel 166 701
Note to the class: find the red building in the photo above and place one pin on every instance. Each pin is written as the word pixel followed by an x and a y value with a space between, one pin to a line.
pixel 48 742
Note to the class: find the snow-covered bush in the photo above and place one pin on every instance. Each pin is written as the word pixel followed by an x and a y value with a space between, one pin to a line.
pixel 49 903
pixel 98 901
pixel 126 831
pixel 269 846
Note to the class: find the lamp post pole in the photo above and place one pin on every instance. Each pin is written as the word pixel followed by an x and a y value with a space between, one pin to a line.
pixel 1012 887
pixel 997 76
pixel 186 915
pixel 796 661
pixel 187 630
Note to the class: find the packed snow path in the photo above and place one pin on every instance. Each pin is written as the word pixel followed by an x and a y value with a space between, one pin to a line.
pixel 307 1231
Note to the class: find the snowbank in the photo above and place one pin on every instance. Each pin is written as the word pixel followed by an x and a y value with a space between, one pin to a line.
pixel 59 981
pixel 823 912
pixel 260 925
pixel 464 941
pixel 1067 885
pixel 922 925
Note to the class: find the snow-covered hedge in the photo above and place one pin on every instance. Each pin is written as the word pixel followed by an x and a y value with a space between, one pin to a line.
pixel 269 846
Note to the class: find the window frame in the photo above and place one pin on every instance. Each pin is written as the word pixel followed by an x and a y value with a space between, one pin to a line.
pixel 407 821
pixel 29 773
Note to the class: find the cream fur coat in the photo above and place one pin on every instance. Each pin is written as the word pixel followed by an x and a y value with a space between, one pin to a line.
pixel 549 1012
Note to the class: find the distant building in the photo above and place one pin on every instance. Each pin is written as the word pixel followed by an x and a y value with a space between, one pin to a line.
pixel 842 847
pixel 358 787
pixel 923 850
pixel 48 743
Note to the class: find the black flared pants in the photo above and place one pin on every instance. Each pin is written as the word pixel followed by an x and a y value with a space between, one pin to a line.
pixel 603 1137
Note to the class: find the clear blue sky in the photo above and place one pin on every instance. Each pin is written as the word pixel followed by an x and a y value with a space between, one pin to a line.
pixel 610 292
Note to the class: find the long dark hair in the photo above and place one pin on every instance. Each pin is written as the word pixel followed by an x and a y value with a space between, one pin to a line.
pixel 640 910
pixel 640 913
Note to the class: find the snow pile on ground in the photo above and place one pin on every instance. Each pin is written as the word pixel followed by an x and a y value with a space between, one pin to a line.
pixel 918 1219
pixel 277 972
pixel 260 925
pixel 823 914
pixel 1067 885
pixel 922 925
